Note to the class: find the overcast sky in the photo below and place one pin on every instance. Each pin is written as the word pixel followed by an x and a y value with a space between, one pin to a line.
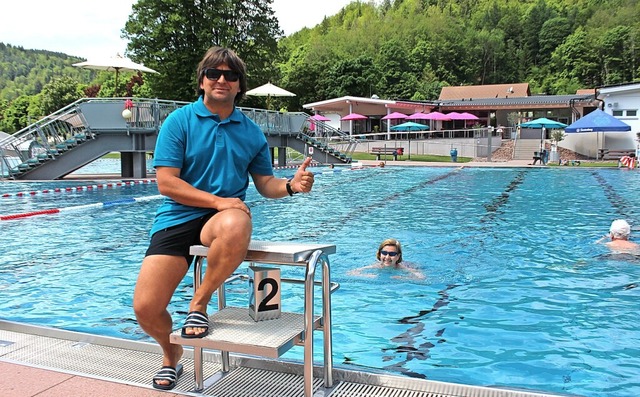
pixel 91 29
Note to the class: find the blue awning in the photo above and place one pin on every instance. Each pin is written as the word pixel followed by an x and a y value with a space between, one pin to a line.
pixel 598 121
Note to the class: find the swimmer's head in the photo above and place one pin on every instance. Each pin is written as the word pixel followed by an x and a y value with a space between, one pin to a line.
pixel 620 229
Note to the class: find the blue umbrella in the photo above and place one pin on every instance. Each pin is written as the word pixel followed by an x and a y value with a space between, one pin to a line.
pixel 543 123
pixel 598 121
pixel 410 126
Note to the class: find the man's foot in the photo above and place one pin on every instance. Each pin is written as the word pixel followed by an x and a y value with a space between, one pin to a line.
pixel 167 377
pixel 170 360
pixel 196 325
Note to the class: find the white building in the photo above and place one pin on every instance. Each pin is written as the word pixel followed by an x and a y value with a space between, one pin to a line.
pixel 623 102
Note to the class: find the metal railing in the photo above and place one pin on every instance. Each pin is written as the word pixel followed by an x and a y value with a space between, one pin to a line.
pixel 68 127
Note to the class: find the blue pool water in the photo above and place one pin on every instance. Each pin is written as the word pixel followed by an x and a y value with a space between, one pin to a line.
pixel 517 293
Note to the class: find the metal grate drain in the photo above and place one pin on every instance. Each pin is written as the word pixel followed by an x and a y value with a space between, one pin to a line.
pixel 134 363
pixel 249 382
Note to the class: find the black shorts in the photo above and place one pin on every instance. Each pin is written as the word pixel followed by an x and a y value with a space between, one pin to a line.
pixel 176 240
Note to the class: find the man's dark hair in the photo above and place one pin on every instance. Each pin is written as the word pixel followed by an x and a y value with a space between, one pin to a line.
pixel 216 56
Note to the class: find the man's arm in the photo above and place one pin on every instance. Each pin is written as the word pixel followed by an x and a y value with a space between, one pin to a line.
pixel 272 187
pixel 171 185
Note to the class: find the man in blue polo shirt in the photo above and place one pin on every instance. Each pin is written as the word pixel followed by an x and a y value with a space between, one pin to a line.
pixel 203 158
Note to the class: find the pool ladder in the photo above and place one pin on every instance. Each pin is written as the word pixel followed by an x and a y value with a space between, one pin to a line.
pixel 233 330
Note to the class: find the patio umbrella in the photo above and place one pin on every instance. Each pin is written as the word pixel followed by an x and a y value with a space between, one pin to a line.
pixel 410 126
pixel 455 116
pixel 438 116
pixel 354 116
pixel 418 116
pixel 543 123
pixel 598 121
pixel 116 63
pixel 468 116
pixel 395 116
pixel 319 117
pixel 269 90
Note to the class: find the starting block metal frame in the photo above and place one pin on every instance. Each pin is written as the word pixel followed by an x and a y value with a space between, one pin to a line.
pixel 233 330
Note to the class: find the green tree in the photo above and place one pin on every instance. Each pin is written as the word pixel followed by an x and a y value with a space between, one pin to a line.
pixel 3 107
pixel 172 36
pixel 618 54
pixel 59 93
pixel 552 34
pixel 532 24
pixel 355 77
pixel 16 115
pixel 577 58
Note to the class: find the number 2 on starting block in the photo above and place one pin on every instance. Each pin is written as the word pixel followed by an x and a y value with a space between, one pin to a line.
pixel 264 293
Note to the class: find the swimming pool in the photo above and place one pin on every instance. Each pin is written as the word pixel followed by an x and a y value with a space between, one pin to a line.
pixel 517 294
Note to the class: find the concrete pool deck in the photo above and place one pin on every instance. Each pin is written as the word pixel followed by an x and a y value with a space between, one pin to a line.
pixel 19 380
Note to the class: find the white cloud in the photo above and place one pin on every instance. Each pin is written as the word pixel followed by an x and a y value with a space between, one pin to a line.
pixel 91 29
pixel 293 15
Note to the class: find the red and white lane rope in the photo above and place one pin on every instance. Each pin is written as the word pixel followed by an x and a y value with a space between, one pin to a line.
pixel 80 188
pixel 79 207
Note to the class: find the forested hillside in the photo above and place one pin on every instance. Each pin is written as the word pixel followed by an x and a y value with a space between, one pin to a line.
pixel 396 49
pixel 25 72
pixel 411 48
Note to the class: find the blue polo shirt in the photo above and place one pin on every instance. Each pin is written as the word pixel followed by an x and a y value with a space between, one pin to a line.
pixel 212 155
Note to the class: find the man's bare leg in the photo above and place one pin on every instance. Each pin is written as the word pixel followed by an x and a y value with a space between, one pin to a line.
pixel 158 279
pixel 228 234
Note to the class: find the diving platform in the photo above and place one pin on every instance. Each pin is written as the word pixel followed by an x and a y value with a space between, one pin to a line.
pixel 90 128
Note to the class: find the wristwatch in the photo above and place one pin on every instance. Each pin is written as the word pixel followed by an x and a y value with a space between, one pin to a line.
pixel 289 190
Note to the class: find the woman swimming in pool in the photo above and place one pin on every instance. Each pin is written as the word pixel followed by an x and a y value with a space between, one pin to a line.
pixel 389 255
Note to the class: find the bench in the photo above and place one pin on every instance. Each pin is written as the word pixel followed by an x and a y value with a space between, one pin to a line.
pixel 387 151
pixel 233 329
pixel 611 154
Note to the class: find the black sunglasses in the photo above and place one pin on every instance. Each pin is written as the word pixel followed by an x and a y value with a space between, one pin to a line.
pixel 214 74
pixel 390 253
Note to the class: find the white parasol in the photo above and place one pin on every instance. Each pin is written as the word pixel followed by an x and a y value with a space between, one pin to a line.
pixel 269 90
pixel 116 63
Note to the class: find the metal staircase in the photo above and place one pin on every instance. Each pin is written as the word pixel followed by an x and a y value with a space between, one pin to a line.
pixel 331 142
pixel 89 128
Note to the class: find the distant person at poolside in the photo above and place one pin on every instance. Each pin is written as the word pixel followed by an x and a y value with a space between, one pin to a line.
pixel 204 155
pixel 541 156
pixel 619 234
pixel 389 255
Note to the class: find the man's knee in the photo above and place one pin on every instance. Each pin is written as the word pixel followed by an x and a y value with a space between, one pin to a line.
pixel 234 225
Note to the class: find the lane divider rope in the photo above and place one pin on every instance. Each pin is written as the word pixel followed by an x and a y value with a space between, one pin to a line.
pixel 105 204
pixel 79 188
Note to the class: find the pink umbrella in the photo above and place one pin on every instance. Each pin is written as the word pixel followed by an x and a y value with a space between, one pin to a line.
pixel 438 116
pixel 319 117
pixel 469 116
pixel 418 116
pixel 455 116
pixel 395 116
pixel 354 116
